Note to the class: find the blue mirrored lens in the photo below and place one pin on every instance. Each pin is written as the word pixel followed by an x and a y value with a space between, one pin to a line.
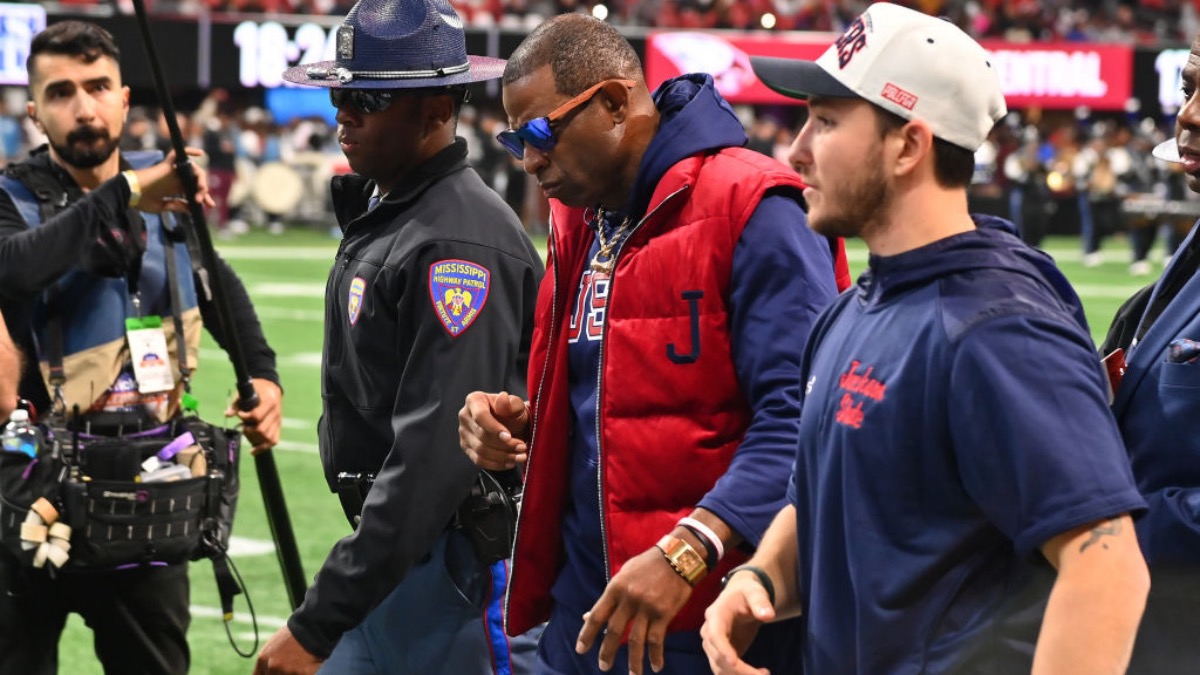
pixel 511 141
pixel 536 132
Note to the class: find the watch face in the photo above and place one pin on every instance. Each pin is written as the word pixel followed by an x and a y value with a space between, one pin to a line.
pixel 684 559
pixel 690 560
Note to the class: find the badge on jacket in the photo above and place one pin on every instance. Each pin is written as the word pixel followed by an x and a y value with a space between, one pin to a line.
pixel 354 302
pixel 458 290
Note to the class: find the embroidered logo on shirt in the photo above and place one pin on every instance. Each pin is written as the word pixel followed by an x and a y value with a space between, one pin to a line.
pixel 858 388
pixel 354 302
pixel 458 290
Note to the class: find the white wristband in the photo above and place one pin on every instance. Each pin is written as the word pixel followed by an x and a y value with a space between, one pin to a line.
pixel 707 531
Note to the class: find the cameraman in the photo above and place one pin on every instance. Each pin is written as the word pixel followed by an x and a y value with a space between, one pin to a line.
pixel 83 247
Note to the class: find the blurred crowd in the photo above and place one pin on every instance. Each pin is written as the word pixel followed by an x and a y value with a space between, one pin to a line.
pixel 1129 21
pixel 267 174
pixel 1094 177
pixel 1054 173
pixel 1098 178
pixel 1060 174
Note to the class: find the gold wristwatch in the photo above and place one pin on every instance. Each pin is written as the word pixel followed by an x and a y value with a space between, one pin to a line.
pixel 684 559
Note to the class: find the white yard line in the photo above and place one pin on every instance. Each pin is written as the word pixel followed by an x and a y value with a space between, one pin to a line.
pixel 285 314
pixel 265 621
pixel 1109 292
pixel 306 359
pixel 312 289
pixel 240 547
pixel 277 253
pixel 297 446
pixel 303 359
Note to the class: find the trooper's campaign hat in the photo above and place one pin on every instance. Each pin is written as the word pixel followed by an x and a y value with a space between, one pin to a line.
pixel 399 44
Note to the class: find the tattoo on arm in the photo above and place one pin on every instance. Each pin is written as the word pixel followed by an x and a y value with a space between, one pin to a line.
pixel 1109 528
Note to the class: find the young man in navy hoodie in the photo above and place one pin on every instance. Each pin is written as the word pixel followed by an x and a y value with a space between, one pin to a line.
pixel 961 497
pixel 664 372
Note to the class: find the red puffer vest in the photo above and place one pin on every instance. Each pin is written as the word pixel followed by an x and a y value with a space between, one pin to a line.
pixel 671 409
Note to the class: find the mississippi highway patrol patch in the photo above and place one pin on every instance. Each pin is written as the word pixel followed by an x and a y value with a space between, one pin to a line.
pixel 354 302
pixel 458 290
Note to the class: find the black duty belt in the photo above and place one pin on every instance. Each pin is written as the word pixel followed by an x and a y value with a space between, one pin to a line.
pixel 488 516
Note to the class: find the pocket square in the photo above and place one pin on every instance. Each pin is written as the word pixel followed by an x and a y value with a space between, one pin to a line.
pixel 1183 350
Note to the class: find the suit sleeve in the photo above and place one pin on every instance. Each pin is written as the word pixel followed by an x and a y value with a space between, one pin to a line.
pixel 1169 530
pixel 425 475
pixel 783 276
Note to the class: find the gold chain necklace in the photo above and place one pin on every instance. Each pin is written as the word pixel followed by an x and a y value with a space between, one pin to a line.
pixel 604 261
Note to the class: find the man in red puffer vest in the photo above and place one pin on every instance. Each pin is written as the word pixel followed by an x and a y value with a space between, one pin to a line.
pixel 664 373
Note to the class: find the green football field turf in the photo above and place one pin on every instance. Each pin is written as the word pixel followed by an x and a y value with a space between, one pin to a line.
pixel 285 276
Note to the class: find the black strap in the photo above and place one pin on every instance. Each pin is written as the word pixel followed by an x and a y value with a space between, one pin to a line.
pixel 212 535
pixel 48 206
pixel 54 339
pixel 137 231
pixel 185 372
pixel 184 232
pixel 710 549
pixel 52 197
pixel 227 586
pixel 763 578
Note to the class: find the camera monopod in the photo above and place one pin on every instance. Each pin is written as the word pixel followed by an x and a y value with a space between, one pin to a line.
pixel 264 462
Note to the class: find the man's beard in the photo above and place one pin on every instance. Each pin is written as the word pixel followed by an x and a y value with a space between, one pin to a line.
pixel 858 205
pixel 81 149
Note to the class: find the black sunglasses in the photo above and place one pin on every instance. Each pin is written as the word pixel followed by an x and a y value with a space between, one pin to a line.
pixel 366 101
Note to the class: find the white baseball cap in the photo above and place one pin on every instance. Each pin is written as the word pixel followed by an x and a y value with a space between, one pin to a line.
pixel 912 64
